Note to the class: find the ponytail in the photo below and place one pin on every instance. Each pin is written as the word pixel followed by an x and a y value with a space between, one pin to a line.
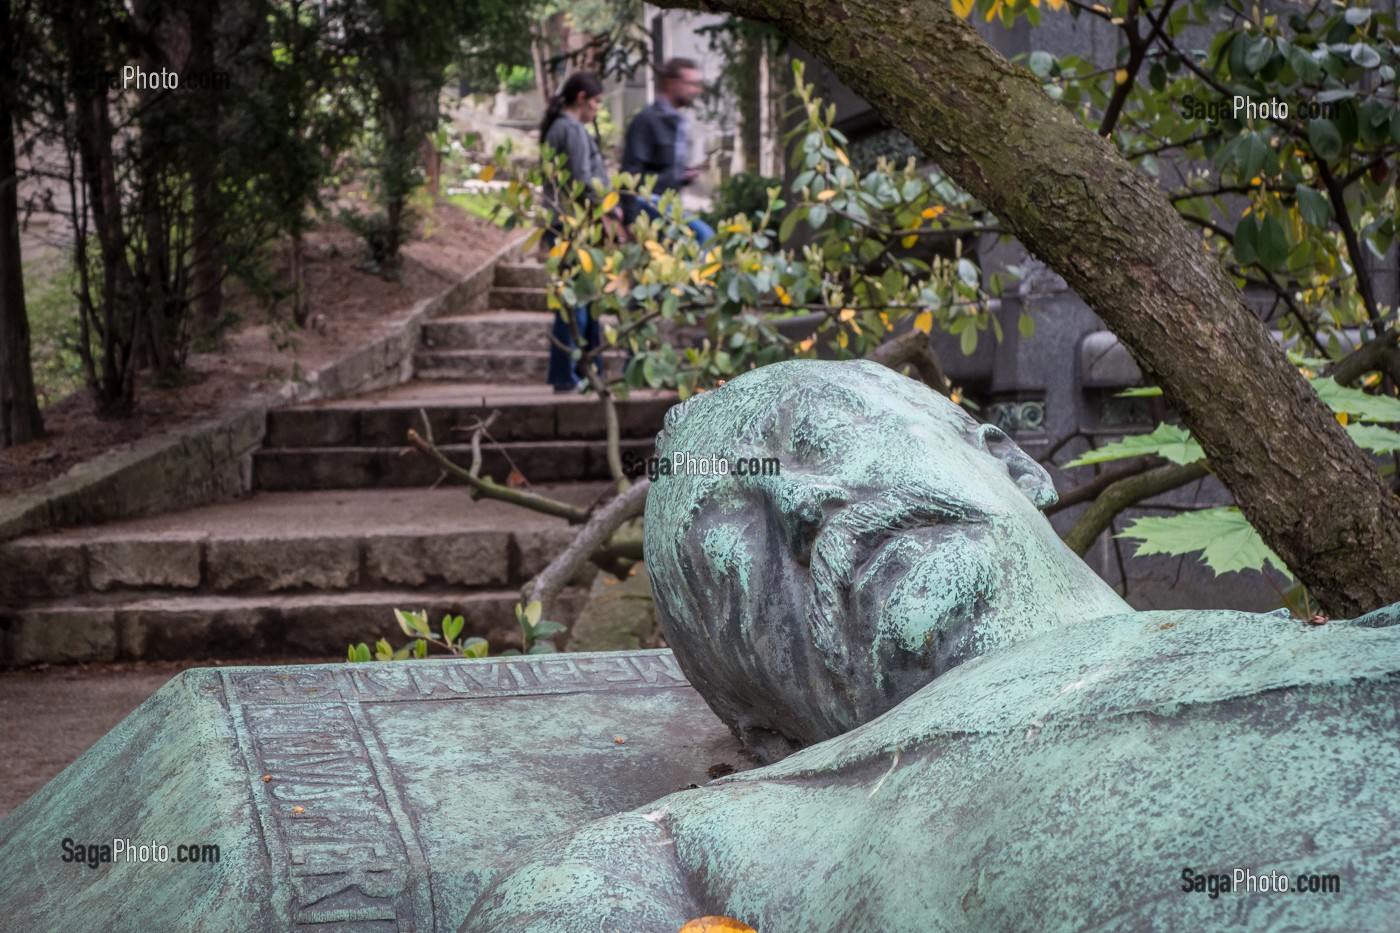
pixel 551 113
pixel 580 82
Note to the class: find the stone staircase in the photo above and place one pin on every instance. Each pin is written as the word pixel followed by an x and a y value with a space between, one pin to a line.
pixel 345 524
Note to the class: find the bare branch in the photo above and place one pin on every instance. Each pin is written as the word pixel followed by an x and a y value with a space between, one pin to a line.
pixel 547 585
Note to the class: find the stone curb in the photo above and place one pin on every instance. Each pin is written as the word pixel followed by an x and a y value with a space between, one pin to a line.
pixel 212 460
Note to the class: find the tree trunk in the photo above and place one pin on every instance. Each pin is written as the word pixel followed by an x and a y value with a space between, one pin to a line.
pixel 19 404
pixel 1111 233
pixel 208 277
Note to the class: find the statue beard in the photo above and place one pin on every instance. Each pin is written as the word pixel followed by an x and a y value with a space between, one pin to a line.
pixel 843 547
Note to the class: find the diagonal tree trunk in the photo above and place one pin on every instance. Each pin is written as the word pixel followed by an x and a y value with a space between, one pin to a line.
pixel 1111 233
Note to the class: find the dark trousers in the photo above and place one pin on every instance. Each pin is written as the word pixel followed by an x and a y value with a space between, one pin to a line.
pixel 563 372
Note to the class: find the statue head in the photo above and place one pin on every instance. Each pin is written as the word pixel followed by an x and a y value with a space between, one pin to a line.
pixel 832 536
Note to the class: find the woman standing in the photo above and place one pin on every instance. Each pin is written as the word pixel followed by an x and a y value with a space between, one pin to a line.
pixel 565 130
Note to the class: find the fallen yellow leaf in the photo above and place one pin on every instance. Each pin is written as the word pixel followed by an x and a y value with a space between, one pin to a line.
pixel 717 925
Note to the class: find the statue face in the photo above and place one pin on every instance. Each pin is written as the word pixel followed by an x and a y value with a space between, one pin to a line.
pixel 899 539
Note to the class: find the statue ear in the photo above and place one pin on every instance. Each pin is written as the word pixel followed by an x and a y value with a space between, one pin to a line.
pixel 1029 476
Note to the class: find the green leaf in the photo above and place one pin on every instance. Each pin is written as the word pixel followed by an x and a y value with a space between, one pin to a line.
pixel 452 627
pixel 532 612
pixel 1257 54
pixel 548 629
pixel 1025 326
pixel 1365 56
pixel 1325 139
pixel 1356 16
pixel 1246 241
pixel 968 340
pixel 1224 537
pixel 542 647
pixel 1374 438
pixel 1356 403
pixel 383 651
pixel 1139 392
pixel 817 216
pixel 1041 62
pixel 413 623
pixel 1314 206
pixel 789 224
pixel 1166 440
pixel 420 649
pixel 1273 244
pixel 475 648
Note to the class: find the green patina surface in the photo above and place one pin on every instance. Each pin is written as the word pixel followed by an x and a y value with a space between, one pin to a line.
pixel 395 791
pixel 1045 759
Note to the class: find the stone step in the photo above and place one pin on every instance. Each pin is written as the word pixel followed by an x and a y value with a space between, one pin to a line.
pixel 384 420
pixel 519 299
pixel 104 627
pixel 491 330
pixel 281 469
pixel 516 367
pixel 299 542
pixel 521 275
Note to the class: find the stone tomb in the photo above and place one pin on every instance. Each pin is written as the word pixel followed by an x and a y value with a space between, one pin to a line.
pixel 347 797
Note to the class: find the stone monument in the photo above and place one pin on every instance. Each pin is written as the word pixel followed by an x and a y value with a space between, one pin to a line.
pixel 1000 743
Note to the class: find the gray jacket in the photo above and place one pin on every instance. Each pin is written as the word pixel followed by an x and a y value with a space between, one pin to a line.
pixel 582 159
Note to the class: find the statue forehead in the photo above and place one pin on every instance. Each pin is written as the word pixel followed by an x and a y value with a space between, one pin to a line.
pixel 842 419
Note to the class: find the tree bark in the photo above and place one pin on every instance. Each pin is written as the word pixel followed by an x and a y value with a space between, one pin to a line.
pixel 20 420
pixel 1112 234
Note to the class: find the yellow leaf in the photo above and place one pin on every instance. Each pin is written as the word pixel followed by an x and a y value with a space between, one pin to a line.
pixel 1342 417
pixel 559 249
pixel 610 202
pixel 924 322
pixel 733 228
pixel 847 314
pixel 1056 4
pixel 783 296
pixel 962 7
pixel 717 925
pixel 1120 76
pixel 932 213
pixel 842 339
pixel 488 173
pixel 826 195
pixel 910 240
pixel 710 270
pixel 842 157
pixel 585 259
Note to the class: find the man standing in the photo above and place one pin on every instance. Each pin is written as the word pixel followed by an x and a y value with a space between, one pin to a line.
pixel 658 142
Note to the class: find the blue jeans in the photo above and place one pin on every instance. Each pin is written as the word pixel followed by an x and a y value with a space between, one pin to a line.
pixel 563 371
pixel 702 230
